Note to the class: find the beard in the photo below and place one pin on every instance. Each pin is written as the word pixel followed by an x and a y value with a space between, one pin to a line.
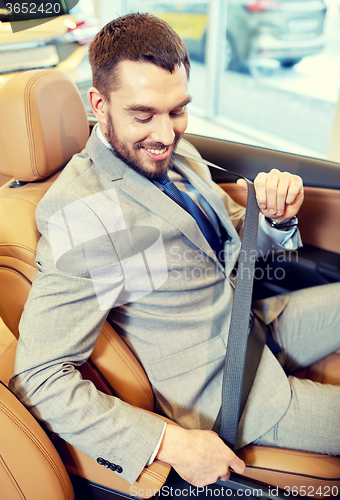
pixel 121 151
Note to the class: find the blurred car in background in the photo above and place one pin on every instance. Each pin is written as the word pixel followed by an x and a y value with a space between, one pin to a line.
pixel 285 30
pixel 62 42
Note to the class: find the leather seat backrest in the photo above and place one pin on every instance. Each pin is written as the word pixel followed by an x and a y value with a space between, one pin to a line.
pixel 43 125
pixel 37 472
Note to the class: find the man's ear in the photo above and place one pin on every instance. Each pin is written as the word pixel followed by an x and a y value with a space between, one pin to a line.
pixel 98 104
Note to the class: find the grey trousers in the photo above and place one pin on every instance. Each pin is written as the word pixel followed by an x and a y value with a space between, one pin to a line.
pixel 307 331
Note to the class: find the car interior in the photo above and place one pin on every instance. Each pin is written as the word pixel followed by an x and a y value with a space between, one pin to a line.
pixel 43 125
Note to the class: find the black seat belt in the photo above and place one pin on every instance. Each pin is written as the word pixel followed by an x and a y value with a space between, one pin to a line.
pixel 246 337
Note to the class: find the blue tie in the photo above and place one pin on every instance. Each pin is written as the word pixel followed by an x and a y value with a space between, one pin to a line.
pixel 184 200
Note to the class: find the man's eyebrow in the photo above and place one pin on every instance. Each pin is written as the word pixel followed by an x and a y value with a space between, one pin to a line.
pixel 150 109
pixel 184 103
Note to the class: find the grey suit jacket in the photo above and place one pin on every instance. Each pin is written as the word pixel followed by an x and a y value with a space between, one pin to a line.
pixel 114 246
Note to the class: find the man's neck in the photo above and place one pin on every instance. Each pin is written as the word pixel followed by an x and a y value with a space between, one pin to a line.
pixel 102 137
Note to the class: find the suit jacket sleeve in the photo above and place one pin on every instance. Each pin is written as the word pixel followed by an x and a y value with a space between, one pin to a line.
pixel 58 331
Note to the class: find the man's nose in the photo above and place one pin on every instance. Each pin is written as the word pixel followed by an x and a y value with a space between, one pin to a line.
pixel 163 130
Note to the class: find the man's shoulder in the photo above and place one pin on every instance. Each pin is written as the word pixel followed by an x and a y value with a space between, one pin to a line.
pixel 70 182
pixel 88 172
pixel 78 182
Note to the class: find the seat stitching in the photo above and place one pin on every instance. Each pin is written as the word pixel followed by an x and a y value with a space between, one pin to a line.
pixel 94 369
pixel 284 451
pixel 28 119
pixel 123 356
pixel 11 477
pixel 19 245
pixel 37 443
pixel 155 475
pixel 289 473
pixel 18 273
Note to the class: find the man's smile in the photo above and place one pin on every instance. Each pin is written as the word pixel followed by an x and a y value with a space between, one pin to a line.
pixel 157 154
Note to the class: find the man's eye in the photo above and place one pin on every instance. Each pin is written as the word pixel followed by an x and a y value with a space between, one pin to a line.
pixel 178 112
pixel 143 120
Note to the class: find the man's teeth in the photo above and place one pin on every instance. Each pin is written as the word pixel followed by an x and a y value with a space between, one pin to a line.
pixel 157 151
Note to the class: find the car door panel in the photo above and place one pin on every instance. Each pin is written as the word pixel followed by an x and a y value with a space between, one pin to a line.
pixel 318 216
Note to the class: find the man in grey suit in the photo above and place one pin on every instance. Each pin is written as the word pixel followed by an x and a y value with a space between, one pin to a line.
pixel 114 245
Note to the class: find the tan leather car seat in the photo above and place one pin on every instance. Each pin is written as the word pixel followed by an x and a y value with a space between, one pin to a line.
pixel 45 125
pixel 42 474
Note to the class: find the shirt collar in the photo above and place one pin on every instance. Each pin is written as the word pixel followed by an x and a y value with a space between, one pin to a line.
pixel 102 138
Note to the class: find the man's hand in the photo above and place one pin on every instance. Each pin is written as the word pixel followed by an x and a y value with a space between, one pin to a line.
pixel 279 194
pixel 199 457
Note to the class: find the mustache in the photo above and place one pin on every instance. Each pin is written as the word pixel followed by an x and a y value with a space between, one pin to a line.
pixel 152 145
pixel 156 145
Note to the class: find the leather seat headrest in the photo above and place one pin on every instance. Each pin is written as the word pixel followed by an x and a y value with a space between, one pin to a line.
pixel 43 124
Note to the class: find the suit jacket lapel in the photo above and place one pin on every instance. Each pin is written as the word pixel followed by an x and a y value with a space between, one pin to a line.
pixel 104 159
pixel 148 195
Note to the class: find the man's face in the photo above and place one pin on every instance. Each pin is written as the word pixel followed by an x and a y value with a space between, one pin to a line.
pixel 147 115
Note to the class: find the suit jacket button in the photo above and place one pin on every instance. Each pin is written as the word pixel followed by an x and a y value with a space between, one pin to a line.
pixel 101 461
pixel 119 469
pixel 107 464
pixel 113 467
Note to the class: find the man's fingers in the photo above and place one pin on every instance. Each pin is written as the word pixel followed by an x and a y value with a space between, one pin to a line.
pixel 238 466
pixel 199 457
pixel 272 185
pixel 295 189
pixel 225 478
pixel 260 184
pixel 276 190
pixel 242 183
pixel 282 192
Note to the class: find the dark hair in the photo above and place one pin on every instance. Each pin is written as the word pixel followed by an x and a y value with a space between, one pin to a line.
pixel 134 37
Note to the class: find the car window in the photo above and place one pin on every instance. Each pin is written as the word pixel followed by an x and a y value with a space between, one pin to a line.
pixel 264 72
pixel 266 69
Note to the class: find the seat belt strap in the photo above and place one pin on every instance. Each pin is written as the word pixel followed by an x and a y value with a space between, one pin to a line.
pixel 244 351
